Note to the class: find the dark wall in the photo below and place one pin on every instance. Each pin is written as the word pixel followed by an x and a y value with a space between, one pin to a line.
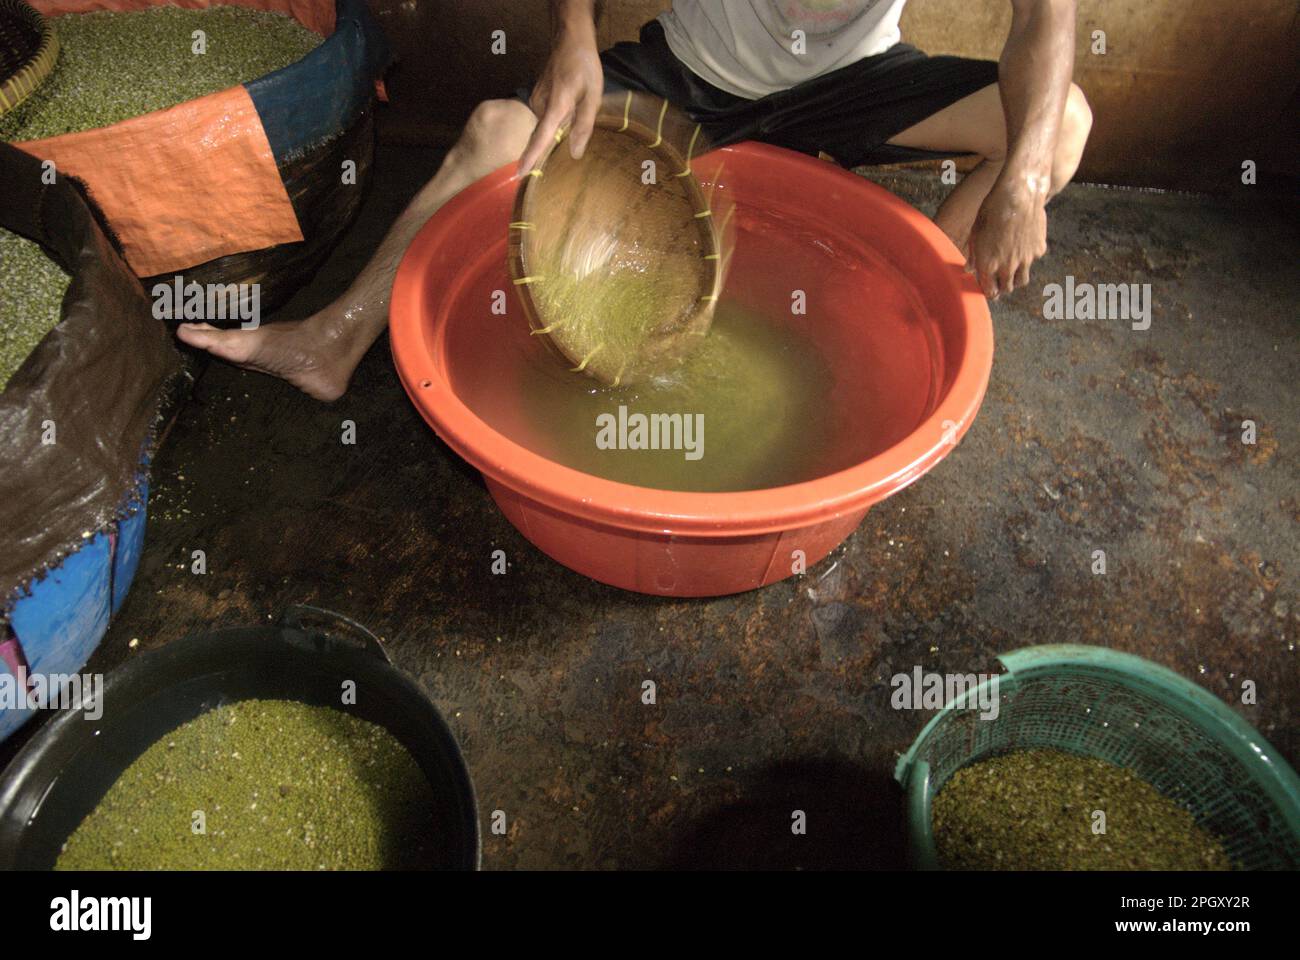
pixel 1186 91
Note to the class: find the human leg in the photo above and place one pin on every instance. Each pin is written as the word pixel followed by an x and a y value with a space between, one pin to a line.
pixel 318 354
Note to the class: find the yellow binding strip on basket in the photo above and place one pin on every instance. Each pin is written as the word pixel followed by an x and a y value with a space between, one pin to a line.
pixel 659 128
pixel 587 359
pixel 627 112
pixel 689 150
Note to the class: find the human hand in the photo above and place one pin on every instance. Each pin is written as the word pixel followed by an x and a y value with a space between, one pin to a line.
pixel 1009 234
pixel 569 91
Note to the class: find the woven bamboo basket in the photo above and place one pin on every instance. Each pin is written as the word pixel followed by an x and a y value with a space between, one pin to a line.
pixel 601 219
pixel 28 50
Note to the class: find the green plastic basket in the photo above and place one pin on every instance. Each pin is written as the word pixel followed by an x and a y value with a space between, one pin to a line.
pixel 1133 713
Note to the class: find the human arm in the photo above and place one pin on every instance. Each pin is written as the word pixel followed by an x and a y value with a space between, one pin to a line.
pixel 571 84
pixel 1035 68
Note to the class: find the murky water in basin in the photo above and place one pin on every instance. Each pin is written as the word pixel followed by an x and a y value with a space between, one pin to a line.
pixel 781 395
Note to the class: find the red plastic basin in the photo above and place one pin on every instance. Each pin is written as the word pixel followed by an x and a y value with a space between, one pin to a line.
pixel 927 370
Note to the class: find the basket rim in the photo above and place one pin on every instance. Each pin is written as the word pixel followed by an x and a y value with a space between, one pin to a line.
pixel 25 80
pixel 1266 766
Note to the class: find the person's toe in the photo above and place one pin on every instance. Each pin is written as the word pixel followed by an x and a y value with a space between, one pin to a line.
pixel 235 346
pixel 195 334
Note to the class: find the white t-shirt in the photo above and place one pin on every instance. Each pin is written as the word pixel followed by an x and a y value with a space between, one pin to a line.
pixel 755 47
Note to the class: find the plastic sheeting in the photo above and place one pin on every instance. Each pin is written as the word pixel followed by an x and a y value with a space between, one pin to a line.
pixel 184 185
pixel 95 380
pixel 191 183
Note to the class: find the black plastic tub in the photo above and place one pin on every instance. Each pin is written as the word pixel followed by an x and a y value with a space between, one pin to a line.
pixel 68 766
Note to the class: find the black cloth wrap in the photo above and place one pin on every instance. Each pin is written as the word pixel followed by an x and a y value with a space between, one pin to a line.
pixel 98 375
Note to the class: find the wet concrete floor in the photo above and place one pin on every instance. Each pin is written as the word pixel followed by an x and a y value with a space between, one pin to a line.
pixel 1093 436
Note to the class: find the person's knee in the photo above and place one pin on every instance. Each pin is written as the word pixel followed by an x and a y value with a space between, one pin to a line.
pixel 495 134
pixel 495 121
pixel 1076 124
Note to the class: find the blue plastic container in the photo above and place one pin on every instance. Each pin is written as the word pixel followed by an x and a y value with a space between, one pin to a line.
pixel 59 623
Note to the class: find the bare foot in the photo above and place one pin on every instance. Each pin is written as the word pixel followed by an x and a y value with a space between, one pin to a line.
pixel 317 355
pixel 959 234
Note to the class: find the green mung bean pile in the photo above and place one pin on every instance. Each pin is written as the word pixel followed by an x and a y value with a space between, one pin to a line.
pixel 1034 810
pixel 31 300
pixel 282 786
pixel 113 66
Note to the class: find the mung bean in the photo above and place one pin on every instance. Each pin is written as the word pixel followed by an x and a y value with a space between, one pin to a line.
pixel 1038 810
pixel 113 66
pixel 31 300
pixel 264 784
